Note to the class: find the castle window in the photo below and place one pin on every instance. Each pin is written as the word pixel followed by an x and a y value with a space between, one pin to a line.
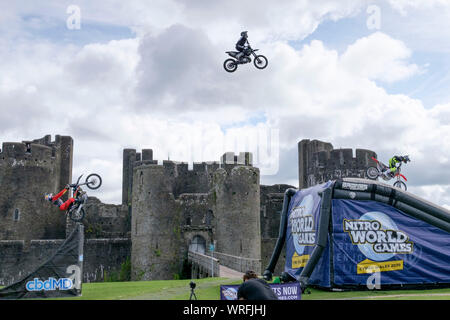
pixel 16 215
pixel 209 217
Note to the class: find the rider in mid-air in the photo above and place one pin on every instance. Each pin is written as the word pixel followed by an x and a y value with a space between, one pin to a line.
pixel 58 202
pixel 393 165
pixel 241 46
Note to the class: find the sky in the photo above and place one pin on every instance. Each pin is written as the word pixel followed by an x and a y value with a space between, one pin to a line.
pixel 148 74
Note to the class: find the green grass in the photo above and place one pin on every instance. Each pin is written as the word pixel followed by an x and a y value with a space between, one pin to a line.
pixel 208 289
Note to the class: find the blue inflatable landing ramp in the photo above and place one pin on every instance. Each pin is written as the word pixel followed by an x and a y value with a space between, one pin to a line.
pixel 355 233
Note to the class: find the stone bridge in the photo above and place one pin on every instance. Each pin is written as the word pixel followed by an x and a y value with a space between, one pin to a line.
pixel 221 265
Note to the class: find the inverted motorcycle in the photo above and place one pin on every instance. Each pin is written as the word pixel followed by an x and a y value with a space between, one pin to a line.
pixel 76 211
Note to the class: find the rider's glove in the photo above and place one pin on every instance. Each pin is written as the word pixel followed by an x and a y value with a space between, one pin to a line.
pixel 67 186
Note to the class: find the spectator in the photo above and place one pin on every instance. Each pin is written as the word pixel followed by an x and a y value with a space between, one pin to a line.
pixel 255 288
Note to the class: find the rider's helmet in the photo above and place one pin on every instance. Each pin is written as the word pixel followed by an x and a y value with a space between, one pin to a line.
pixel 48 196
pixel 406 159
pixel 244 34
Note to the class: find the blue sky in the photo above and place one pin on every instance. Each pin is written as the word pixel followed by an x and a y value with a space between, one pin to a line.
pixel 55 30
pixel 430 86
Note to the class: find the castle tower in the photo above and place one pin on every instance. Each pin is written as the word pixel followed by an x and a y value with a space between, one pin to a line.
pixel 236 191
pixel 28 170
pixel 155 225
pixel 319 162
pixel 173 208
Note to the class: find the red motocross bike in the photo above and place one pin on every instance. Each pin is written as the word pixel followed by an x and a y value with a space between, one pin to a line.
pixel 380 171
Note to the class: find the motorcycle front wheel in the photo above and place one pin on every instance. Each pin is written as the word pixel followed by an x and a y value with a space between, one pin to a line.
pixel 372 173
pixel 76 215
pixel 401 185
pixel 93 181
pixel 230 65
pixel 260 62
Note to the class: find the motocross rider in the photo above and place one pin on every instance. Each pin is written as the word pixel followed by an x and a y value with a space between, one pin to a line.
pixel 390 171
pixel 58 202
pixel 241 46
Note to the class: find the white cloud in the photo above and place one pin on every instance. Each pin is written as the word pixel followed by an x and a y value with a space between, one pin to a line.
pixel 403 6
pixel 379 57
pixel 100 64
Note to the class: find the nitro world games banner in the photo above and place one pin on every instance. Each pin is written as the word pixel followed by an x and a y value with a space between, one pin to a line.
pixel 371 237
pixel 302 234
pixel 284 291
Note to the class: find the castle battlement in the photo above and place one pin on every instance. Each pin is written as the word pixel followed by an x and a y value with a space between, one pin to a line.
pixel 243 158
pixel 229 158
pixel 338 158
pixel 26 151
pixel 43 149
pixel 319 162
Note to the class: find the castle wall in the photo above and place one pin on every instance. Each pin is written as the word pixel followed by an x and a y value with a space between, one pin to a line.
pixel 196 209
pixel 267 247
pixel 271 203
pixel 100 256
pixel 105 257
pixel 106 220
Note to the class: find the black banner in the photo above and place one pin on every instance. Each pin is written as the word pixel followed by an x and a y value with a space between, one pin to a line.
pixel 60 276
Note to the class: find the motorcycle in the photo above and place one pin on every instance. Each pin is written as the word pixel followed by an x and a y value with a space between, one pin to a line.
pixel 230 65
pixel 374 173
pixel 76 211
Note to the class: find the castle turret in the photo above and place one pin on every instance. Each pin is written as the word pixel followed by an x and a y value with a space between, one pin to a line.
pixel 236 192
pixel 319 162
pixel 306 150
pixel 155 225
pixel 28 170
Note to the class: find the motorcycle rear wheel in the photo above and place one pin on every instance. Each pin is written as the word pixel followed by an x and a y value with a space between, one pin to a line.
pixel 230 65
pixel 372 173
pixel 401 185
pixel 260 62
pixel 76 216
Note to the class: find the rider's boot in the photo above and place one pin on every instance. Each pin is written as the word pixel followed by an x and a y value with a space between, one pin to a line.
pixel 388 173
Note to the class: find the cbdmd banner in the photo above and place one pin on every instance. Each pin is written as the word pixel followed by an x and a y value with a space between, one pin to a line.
pixel 60 276
pixel 372 237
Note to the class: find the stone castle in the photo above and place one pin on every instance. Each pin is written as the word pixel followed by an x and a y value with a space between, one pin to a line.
pixel 166 209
